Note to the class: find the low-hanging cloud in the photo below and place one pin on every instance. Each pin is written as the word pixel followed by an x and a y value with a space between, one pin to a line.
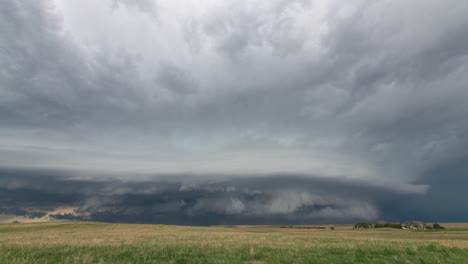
pixel 179 199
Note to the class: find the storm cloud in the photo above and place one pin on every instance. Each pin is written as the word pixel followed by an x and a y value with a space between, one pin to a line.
pixel 200 200
pixel 296 110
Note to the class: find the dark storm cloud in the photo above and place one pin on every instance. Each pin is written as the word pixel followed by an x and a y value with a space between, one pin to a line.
pixel 446 200
pixel 366 91
pixel 179 199
pixel 47 82
pixel 104 88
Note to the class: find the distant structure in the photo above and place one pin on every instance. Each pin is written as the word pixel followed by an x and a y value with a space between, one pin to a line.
pixel 415 225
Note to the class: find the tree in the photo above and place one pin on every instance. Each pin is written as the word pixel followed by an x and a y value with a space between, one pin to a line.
pixel 362 225
pixel 437 226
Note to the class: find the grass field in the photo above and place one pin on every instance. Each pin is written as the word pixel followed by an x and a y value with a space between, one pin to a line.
pixel 89 242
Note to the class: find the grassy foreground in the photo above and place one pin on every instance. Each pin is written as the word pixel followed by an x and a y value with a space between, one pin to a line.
pixel 91 242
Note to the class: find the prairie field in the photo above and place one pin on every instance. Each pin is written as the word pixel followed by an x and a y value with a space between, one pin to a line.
pixel 92 242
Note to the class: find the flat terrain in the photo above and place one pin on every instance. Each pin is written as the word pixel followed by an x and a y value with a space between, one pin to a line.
pixel 89 242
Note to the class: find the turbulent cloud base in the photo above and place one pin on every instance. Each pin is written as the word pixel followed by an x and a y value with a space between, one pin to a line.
pixel 339 94
pixel 179 199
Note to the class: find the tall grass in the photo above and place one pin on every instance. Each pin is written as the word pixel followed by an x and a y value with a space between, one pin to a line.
pixel 117 243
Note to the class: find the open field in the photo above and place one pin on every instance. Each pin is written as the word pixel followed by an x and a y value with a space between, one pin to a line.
pixel 90 242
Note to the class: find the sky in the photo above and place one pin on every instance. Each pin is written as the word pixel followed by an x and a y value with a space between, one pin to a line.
pixel 226 112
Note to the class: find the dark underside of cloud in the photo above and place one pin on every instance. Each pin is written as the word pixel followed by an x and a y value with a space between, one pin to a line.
pixel 183 200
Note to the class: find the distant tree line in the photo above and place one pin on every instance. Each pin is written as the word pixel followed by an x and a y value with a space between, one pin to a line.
pixel 422 225
pixel 407 225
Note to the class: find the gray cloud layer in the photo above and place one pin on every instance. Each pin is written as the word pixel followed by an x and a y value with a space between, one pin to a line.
pixel 341 92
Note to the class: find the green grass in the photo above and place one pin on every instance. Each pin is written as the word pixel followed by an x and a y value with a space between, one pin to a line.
pixel 121 243
pixel 232 254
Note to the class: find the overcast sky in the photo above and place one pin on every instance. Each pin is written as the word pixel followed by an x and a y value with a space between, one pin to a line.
pixel 360 105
